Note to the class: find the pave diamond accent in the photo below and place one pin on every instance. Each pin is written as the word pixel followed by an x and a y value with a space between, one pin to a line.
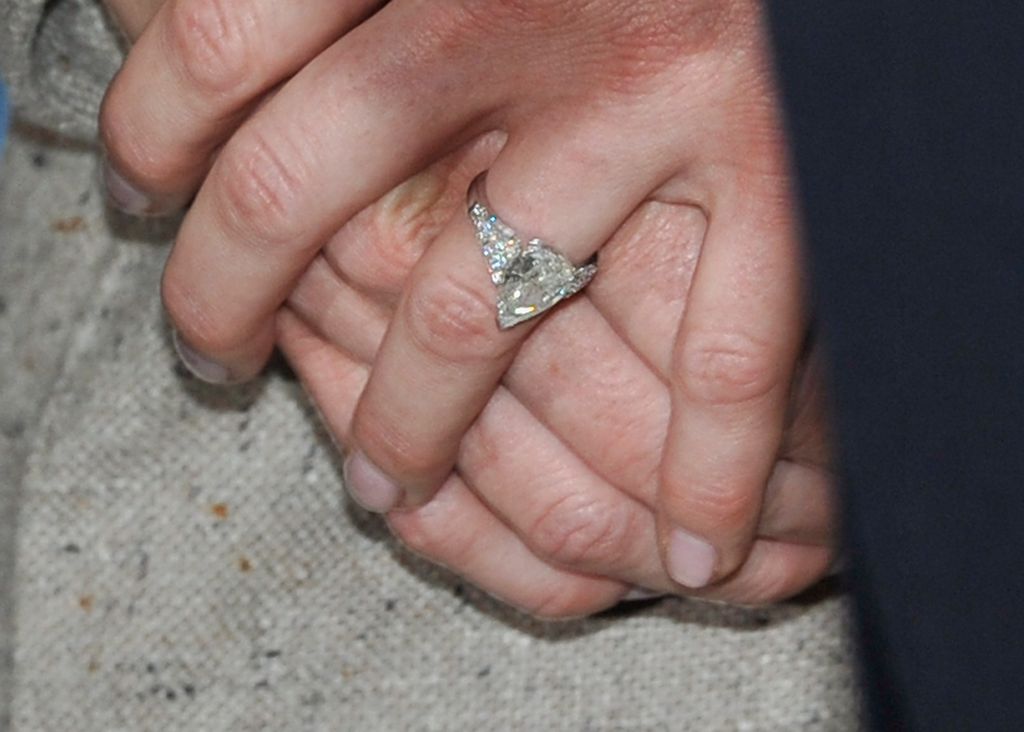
pixel 530 278
pixel 500 244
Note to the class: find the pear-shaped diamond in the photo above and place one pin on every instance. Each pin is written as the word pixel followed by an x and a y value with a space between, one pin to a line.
pixel 531 278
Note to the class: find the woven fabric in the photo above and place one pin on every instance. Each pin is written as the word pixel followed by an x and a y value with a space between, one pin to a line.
pixel 58 57
pixel 51 252
pixel 187 560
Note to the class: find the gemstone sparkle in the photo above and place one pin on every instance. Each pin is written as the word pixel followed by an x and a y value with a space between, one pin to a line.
pixel 531 278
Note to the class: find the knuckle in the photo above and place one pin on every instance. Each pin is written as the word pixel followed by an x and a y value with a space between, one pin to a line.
pixel 194 319
pixel 451 320
pixel 565 601
pixel 260 184
pixel 398 453
pixel 430 533
pixel 413 535
pixel 211 43
pixel 720 508
pixel 383 243
pixel 768 584
pixel 415 212
pixel 382 260
pixel 580 531
pixel 131 148
pixel 726 368
pixel 422 533
pixel 769 591
pixel 444 26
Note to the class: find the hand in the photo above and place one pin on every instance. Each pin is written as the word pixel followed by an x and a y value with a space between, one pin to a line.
pixel 606 105
pixel 552 508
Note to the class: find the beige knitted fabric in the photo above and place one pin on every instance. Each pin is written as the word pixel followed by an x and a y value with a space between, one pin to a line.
pixel 57 56
pixel 187 559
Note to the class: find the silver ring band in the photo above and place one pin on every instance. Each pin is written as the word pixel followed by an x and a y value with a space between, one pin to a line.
pixel 531 276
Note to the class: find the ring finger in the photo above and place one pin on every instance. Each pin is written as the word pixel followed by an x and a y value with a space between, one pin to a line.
pixel 444 344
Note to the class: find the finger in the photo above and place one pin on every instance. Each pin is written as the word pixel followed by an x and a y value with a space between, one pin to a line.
pixel 799 505
pixel 378 248
pixel 191 79
pixel 332 378
pixel 348 293
pixel 444 353
pixel 456 529
pixel 285 182
pixel 561 509
pixel 799 498
pixel 730 386
pixel 596 398
pixel 584 384
pixel 338 312
pixel 774 571
pixel 647 270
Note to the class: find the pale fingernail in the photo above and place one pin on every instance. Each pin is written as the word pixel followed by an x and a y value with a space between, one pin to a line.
pixel 691 561
pixel 123 195
pixel 369 486
pixel 201 367
pixel 641 593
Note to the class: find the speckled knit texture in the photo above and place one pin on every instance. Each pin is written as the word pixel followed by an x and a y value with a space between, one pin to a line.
pixel 187 559
pixel 58 57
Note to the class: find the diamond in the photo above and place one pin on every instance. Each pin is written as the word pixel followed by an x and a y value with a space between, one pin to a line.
pixel 531 278
pixel 500 244
pixel 536 281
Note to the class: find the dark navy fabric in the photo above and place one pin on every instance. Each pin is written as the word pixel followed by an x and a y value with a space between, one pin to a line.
pixel 906 120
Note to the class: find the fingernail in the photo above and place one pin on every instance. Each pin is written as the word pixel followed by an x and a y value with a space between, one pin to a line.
pixel 369 486
pixel 201 367
pixel 123 195
pixel 691 561
pixel 641 593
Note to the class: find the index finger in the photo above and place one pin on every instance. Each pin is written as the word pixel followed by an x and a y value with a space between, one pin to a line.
pixel 333 140
pixel 192 78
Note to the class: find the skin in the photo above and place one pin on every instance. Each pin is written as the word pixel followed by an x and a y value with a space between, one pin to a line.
pixel 605 109
pixel 555 477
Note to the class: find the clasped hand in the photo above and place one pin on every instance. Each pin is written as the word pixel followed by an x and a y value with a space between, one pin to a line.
pixel 663 430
